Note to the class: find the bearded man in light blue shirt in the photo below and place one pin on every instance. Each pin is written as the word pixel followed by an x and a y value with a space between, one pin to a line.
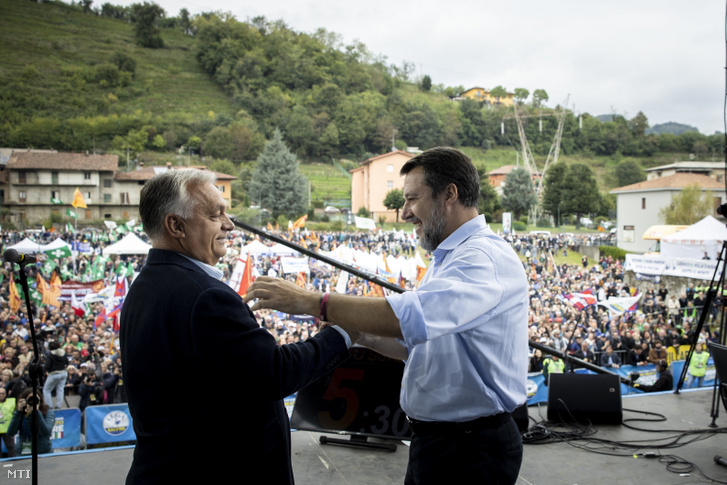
pixel 462 333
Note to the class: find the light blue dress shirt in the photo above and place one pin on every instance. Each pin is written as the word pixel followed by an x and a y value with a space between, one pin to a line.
pixel 465 327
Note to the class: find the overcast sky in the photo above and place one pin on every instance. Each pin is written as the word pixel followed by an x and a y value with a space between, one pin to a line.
pixel 663 57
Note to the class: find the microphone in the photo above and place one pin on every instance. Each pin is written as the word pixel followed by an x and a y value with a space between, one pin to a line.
pixel 720 461
pixel 13 256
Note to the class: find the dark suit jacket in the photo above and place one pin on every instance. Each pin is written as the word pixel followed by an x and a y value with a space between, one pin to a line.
pixel 205 382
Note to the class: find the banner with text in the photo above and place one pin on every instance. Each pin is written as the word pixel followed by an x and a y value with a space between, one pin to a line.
pixel 702 269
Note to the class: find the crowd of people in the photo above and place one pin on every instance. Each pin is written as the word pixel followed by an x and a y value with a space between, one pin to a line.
pixel 82 358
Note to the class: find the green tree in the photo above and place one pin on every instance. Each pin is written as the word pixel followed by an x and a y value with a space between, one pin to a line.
pixel 628 172
pixel 498 92
pixel 145 17
pixel 426 83
pixel 540 96
pixel 690 205
pixel 518 195
pixel 580 191
pixel 553 190
pixel 489 200
pixel 639 124
pixel 394 200
pixel 218 143
pixel 276 183
pixel 521 94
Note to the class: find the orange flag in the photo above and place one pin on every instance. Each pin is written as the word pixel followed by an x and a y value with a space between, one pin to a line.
pixel 376 290
pixel 300 280
pixel 246 278
pixel 14 298
pixel 78 200
pixel 50 295
pixel 421 271
pixel 300 222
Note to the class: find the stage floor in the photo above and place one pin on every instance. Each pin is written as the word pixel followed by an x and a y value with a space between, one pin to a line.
pixel 545 464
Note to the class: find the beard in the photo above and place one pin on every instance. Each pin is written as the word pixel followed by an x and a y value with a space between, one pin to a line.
pixel 433 228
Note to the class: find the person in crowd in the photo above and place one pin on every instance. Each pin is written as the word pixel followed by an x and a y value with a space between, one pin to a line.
pixel 536 361
pixel 665 381
pixel 113 382
pixel 55 380
pixel 90 387
pixel 610 359
pixel 657 353
pixel 20 423
pixel 468 317
pixel 585 354
pixel 7 406
pixel 636 356
pixel 697 366
pixel 179 314
pixel 552 365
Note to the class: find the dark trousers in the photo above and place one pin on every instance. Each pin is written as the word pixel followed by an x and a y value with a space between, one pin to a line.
pixel 491 454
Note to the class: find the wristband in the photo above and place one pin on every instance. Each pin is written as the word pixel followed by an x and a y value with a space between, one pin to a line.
pixel 324 307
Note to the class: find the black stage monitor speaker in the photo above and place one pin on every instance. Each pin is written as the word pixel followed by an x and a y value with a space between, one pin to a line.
pixel 719 357
pixel 583 398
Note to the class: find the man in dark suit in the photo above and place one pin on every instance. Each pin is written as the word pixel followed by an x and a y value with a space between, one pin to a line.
pixel 180 326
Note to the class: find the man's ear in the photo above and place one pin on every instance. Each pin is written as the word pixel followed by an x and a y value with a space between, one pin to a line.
pixel 175 226
pixel 451 195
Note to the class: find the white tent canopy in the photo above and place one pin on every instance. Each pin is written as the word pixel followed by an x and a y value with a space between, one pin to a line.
pixel 278 249
pixel 255 248
pixel 27 246
pixel 130 244
pixel 705 236
pixel 58 243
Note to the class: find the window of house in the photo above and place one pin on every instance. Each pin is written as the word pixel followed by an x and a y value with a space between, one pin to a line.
pixel 55 194
pixel 390 167
pixel 107 198
pixel 221 188
pixel 86 175
pixel 643 202
pixel 87 197
pixel 125 198
pixel 21 176
pixel 389 184
pixel 54 178
pixel 22 196
pixel 107 183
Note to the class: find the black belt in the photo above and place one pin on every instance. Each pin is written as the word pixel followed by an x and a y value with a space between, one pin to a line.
pixel 449 427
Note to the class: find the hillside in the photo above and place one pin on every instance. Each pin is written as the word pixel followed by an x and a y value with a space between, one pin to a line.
pixel 78 81
pixel 58 64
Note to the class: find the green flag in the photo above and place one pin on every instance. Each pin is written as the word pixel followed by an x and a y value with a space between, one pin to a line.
pixel 56 201
pixel 66 274
pixel 58 253
pixel 48 266
pixel 36 296
pixel 71 213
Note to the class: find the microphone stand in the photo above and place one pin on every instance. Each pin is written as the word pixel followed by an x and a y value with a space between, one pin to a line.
pixel 36 373
pixel 315 255
pixel 536 345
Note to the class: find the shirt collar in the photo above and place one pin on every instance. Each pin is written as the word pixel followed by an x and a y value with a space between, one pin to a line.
pixel 461 234
pixel 210 270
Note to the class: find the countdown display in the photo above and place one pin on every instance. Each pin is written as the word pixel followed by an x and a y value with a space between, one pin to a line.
pixel 360 397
